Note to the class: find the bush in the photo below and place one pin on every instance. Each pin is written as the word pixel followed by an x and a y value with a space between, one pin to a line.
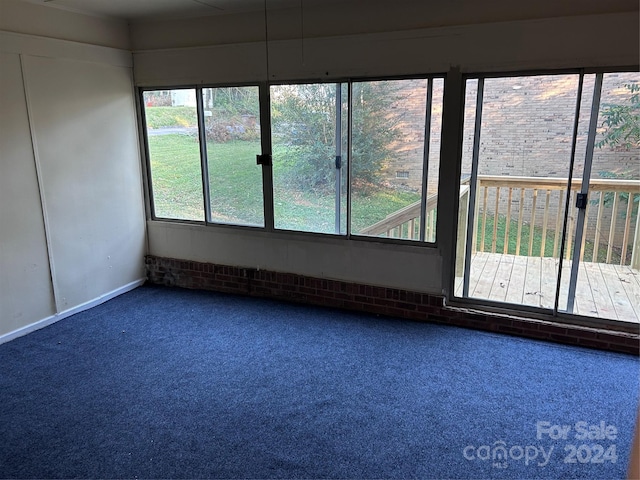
pixel 304 116
pixel 226 129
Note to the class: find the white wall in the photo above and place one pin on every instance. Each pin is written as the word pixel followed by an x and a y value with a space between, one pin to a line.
pixel 409 267
pixel 72 227
pixel 564 42
pixel 391 38
pixel 333 18
pixel 23 17
pixel 26 293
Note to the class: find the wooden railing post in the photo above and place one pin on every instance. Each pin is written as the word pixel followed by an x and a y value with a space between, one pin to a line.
pixel 404 222
pixel 463 215
pixel 635 249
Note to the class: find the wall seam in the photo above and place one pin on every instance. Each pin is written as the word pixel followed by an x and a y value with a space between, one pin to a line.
pixel 141 145
pixel 38 168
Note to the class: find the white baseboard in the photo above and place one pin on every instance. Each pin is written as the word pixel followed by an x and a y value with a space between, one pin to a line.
pixel 7 337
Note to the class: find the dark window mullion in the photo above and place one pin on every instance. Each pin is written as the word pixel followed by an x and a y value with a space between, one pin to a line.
pixel 349 152
pixel 204 162
pixel 473 187
pixel 147 156
pixel 266 146
pixel 425 163
pixel 338 159
pixel 586 176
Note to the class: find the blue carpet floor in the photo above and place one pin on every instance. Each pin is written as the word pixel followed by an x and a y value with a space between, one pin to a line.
pixel 171 383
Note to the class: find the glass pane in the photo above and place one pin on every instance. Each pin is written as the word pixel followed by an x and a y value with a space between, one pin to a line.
pixel 387 157
pixel 524 158
pixel 303 119
pixel 344 155
pixel 434 159
pixel 232 126
pixel 609 264
pixel 174 154
pixel 471 93
pixel 578 173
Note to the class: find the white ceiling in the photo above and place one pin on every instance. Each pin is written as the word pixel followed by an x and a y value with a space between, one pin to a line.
pixel 157 9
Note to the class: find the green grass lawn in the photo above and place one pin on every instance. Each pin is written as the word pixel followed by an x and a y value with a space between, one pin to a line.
pixel 537 241
pixel 157 117
pixel 370 209
pixel 236 189
pixel 235 183
pixel 236 196
pixel 513 237
pixel 175 176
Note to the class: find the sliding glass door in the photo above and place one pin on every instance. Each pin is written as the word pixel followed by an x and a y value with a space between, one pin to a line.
pixel 528 162
pixel 600 275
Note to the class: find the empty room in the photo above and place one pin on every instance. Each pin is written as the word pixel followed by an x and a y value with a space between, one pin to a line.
pixel 319 239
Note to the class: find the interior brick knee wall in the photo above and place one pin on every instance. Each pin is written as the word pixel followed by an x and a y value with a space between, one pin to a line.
pixel 379 300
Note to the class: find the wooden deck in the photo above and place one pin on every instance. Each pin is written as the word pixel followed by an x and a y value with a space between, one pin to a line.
pixel 602 290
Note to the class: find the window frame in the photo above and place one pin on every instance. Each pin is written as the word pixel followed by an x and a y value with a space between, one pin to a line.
pixel 147 154
pixel 508 308
pixel 266 149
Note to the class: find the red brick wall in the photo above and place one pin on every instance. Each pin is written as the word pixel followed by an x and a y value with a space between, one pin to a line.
pixel 379 300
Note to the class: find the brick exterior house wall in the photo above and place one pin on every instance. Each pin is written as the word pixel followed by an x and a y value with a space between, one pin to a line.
pixel 527 125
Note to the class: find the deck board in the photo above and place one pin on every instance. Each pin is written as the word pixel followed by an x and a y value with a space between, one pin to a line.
pixel 548 281
pixel 584 302
pixel 602 290
pixel 617 293
pixel 629 280
pixel 486 280
pixel 502 279
pixel 516 285
pixel 531 295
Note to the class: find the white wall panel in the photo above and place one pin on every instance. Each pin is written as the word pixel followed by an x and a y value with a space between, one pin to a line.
pixel 332 18
pixel 84 129
pixel 565 42
pixel 47 21
pixel 11 42
pixel 25 286
pixel 201 65
pixel 411 267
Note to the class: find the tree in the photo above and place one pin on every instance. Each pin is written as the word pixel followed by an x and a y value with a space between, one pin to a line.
pixel 374 129
pixel 622 121
pixel 304 127
pixel 622 130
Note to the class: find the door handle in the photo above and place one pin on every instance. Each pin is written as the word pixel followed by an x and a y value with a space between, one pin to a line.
pixel 264 159
pixel 581 200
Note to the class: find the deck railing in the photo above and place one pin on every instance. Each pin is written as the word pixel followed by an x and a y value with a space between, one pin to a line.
pixel 405 223
pixel 533 207
pixel 536 205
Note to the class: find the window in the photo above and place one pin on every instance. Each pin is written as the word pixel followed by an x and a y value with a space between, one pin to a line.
pixel 309 157
pixel 348 158
pixel 396 128
pixel 174 154
pixel 232 131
